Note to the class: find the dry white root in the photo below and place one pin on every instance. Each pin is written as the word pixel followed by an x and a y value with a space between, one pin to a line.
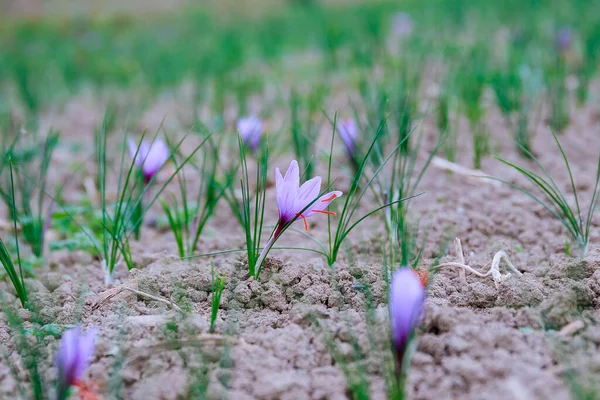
pixel 494 270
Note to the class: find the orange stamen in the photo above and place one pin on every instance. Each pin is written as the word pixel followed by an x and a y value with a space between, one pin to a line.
pixel 85 392
pixel 324 212
pixel 330 198
pixel 304 219
pixel 423 277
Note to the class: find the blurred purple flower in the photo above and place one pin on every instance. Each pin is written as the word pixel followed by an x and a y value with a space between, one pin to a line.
pixel 349 134
pixel 251 129
pixel 73 357
pixel 564 38
pixel 407 297
pixel 292 199
pixel 149 158
pixel 402 24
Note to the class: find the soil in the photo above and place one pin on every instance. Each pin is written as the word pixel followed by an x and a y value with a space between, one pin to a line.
pixel 274 336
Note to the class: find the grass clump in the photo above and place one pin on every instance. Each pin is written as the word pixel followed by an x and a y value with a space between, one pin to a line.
pixel 577 222
pixel 472 80
pixel 218 285
pixel 15 278
pixel 25 189
pixel 188 220
pixel 135 195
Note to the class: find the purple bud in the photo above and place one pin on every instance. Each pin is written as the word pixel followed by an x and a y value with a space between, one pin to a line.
pixel 74 356
pixel 195 223
pixel 349 134
pixel 402 24
pixel 251 129
pixel 407 297
pixel 149 158
pixel 564 38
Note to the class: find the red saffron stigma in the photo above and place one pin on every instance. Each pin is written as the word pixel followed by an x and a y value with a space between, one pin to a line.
pixel 85 392
pixel 423 277
pixel 304 219
pixel 330 198
pixel 323 212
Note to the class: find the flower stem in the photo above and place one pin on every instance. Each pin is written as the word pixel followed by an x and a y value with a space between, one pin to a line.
pixel 109 276
pixel 583 247
pixel 263 254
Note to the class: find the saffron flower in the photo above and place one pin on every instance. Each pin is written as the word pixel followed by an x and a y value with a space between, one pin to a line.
pixel 73 358
pixel 402 25
pixel 251 129
pixel 150 157
pixel 349 134
pixel 295 201
pixel 407 297
pixel 564 38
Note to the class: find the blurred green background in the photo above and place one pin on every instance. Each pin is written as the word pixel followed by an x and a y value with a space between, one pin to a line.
pixel 52 49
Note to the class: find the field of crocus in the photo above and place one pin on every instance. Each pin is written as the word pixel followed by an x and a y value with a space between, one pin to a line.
pixel 301 199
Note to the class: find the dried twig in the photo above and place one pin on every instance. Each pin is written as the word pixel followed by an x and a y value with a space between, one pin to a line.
pixel 461 259
pixel 122 289
pixel 446 165
pixel 572 328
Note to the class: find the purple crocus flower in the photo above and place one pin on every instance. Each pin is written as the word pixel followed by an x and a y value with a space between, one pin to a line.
pixel 402 24
pixel 295 201
pixel 149 158
pixel 407 297
pixel 564 38
pixel 251 129
pixel 349 134
pixel 73 358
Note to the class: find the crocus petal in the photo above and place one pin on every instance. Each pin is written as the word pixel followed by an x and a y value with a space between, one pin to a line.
pixel 407 297
pixel 66 357
pixel 287 195
pixel 74 355
pixel 136 155
pixel 86 346
pixel 293 174
pixel 250 129
pixel 349 134
pixel 564 38
pixel 149 158
pixel 278 178
pixel 158 154
pixel 132 149
pixel 310 190
pixel 348 131
pixel 402 24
